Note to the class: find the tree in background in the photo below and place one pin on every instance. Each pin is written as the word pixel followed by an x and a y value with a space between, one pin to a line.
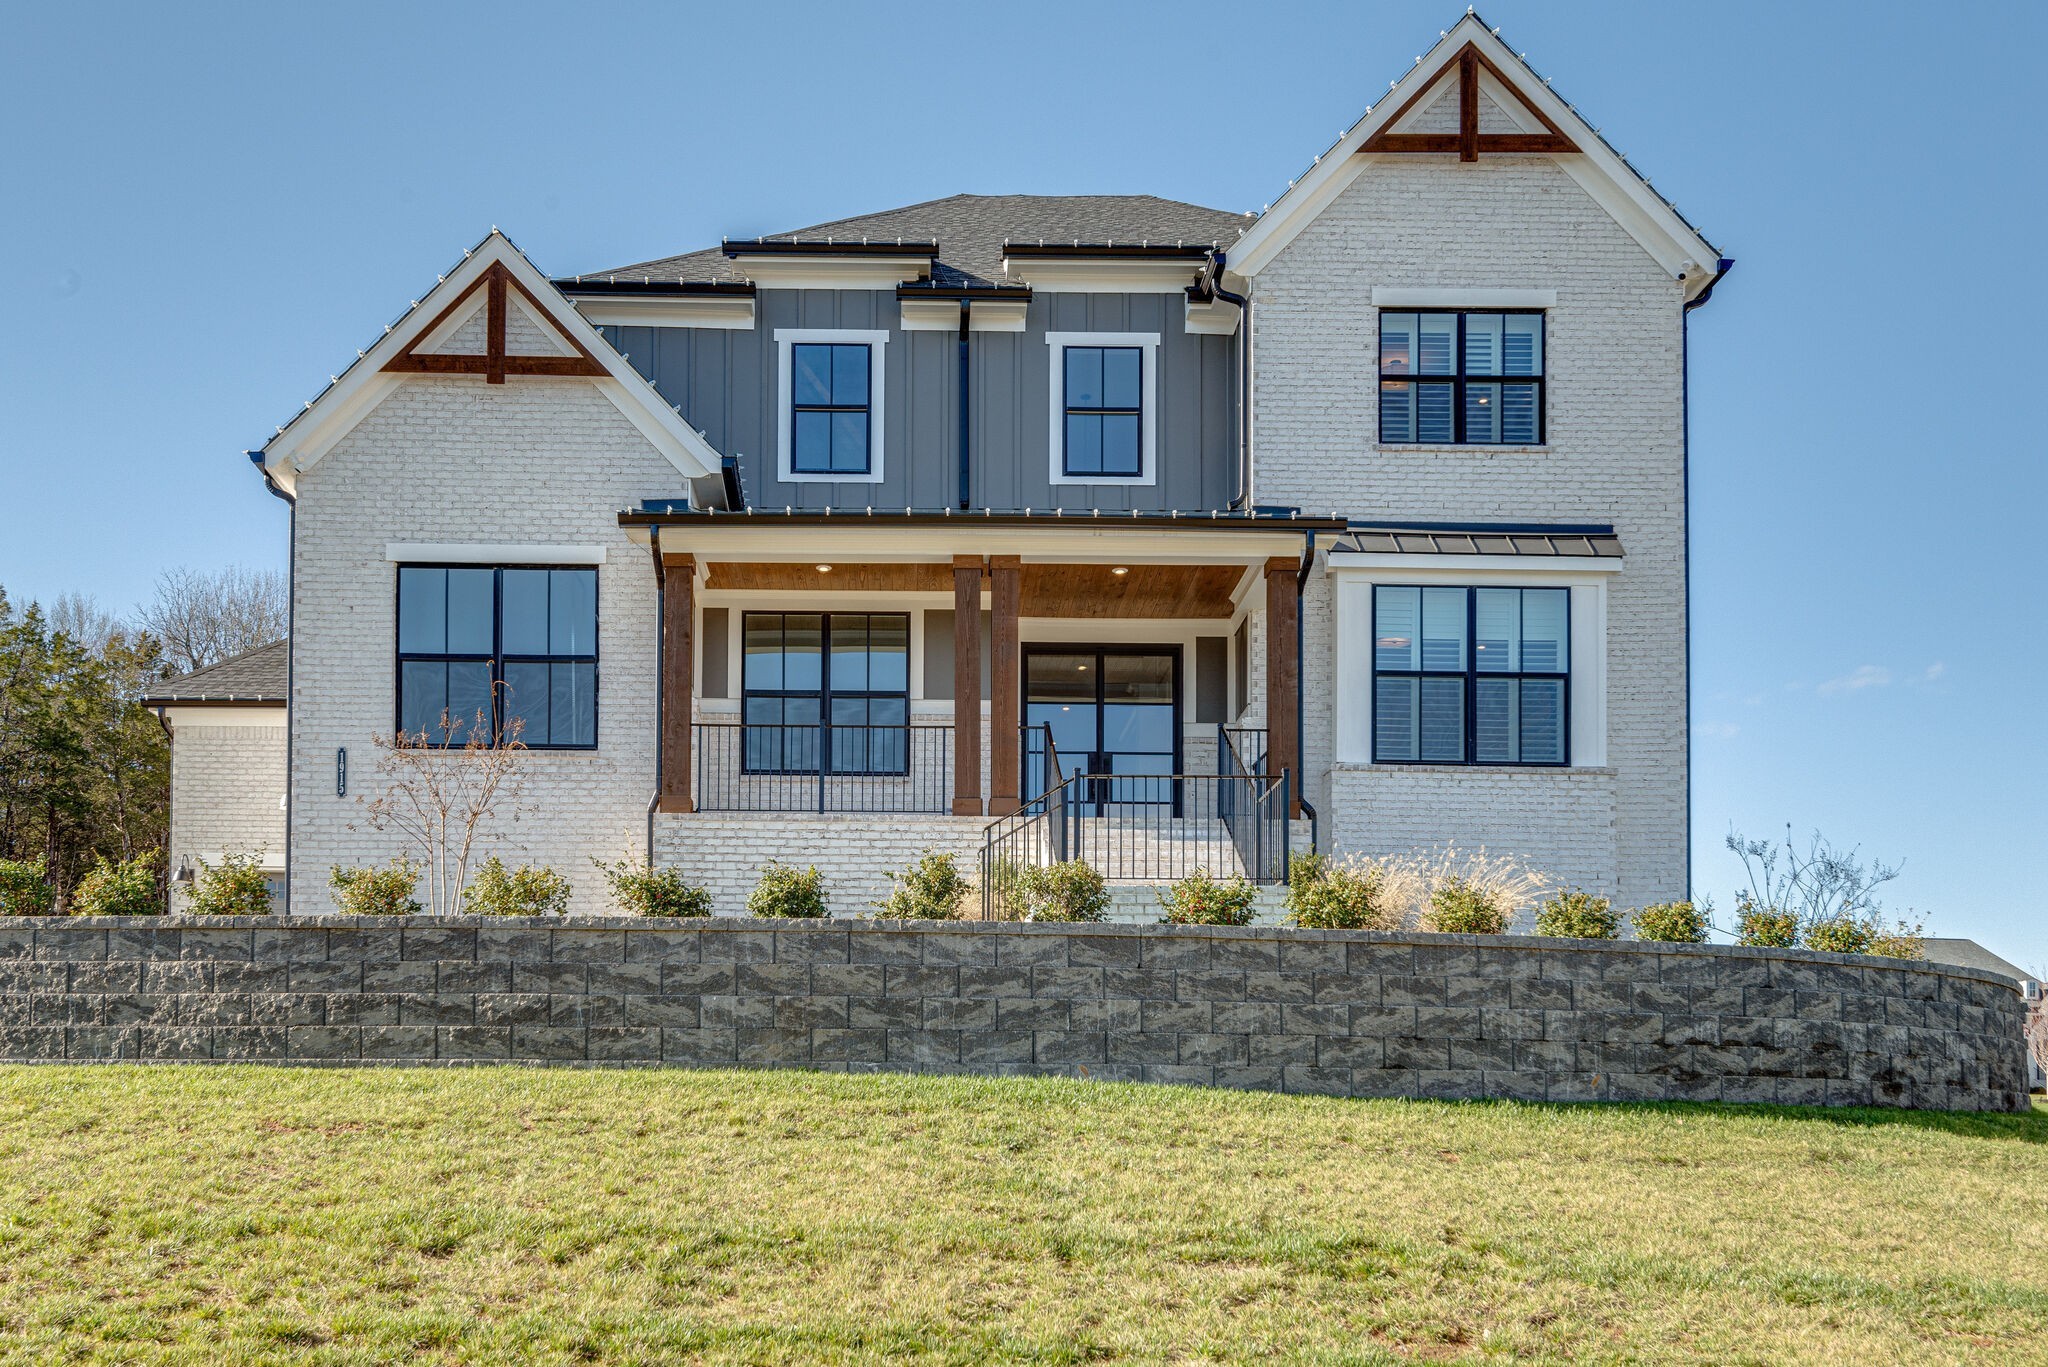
pixel 203 617
pixel 84 768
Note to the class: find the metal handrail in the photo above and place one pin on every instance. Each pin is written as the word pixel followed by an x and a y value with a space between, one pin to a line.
pixel 746 766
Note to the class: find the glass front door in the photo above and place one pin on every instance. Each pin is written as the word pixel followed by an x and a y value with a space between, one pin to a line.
pixel 1114 712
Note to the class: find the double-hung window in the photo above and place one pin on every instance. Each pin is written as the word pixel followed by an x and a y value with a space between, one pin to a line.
pixel 830 408
pixel 1470 675
pixel 1450 379
pixel 1104 411
pixel 515 646
pixel 826 690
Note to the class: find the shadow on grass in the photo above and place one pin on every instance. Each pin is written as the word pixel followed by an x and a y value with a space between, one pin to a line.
pixel 2029 1127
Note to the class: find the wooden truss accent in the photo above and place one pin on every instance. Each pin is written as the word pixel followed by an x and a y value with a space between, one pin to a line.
pixel 1468 142
pixel 494 365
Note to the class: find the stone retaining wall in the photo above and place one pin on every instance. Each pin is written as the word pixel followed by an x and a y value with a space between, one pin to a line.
pixel 1311 1011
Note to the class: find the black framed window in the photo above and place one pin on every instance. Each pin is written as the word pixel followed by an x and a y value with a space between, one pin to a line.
pixel 1461 379
pixel 830 404
pixel 517 644
pixel 1104 411
pixel 830 689
pixel 1471 675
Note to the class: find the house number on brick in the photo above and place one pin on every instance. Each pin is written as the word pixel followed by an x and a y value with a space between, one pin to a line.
pixel 341 772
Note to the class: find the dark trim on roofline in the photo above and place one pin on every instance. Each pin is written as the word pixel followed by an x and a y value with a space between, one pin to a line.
pixel 924 289
pixel 672 514
pixel 1494 528
pixel 1179 251
pixel 579 285
pixel 213 700
pixel 763 246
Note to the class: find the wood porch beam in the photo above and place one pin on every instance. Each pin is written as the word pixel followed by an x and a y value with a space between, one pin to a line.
pixel 678 681
pixel 1283 669
pixel 967 685
pixel 1005 687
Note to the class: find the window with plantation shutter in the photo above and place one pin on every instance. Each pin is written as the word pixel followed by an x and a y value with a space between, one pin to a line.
pixel 1461 379
pixel 1471 675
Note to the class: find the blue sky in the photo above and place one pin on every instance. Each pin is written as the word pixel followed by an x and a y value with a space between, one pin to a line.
pixel 210 209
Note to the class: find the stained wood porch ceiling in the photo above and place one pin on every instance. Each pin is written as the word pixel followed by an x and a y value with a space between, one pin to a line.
pixel 1074 591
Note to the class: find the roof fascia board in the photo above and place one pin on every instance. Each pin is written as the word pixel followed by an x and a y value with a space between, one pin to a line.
pixel 1427 562
pixel 321 425
pixel 723 540
pixel 1104 275
pixel 794 272
pixel 734 312
pixel 1669 240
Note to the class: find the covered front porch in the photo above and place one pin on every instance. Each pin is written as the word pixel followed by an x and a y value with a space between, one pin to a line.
pixel 915 666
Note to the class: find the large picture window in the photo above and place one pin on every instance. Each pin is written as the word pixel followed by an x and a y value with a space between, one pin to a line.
pixel 827 690
pixel 1471 675
pixel 1451 379
pixel 517 645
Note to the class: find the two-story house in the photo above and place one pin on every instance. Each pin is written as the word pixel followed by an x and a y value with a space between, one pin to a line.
pixel 1102 526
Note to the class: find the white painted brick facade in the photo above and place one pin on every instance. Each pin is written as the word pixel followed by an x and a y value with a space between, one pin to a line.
pixel 452 459
pixel 227 795
pixel 725 851
pixel 1614 455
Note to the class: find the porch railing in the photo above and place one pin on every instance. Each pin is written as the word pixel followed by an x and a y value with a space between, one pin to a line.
pixel 746 767
pixel 1140 828
pixel 1241 754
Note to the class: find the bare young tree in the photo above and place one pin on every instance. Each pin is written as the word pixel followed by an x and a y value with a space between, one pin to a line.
pixel 1823 882
pixel 80 616
pixel 439 794
pixel 203 617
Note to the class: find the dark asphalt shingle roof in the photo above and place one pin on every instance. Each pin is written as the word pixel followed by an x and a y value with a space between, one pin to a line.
pixel 971 231
pixel 254 676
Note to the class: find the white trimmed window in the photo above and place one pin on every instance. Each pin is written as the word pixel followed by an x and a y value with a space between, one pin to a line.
pixel 1103 414
pixel 829 392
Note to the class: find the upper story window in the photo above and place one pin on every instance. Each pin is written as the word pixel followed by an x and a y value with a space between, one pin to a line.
pixel 1470 675
pixel 1104 405
pixel 517 646
pixel 1103 418
pixel 830 390
pixel 1449 379
pixel 829 408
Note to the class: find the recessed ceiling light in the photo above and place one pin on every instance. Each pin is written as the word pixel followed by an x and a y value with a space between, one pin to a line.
pixel 1120 569
pixel 824 569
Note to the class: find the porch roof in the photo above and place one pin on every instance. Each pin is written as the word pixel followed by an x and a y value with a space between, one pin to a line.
pixel 1437 538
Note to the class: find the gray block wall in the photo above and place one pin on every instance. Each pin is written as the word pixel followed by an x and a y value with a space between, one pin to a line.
pixel 1301 1011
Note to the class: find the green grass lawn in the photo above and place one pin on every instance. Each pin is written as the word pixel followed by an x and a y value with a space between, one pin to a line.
pixel 252 1215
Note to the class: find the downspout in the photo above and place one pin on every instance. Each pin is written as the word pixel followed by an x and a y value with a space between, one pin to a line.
pixel 1308 561
pixel 291 649
pixel 1721 269
pixel 660 645
pixel 1242 493
pixel 966 397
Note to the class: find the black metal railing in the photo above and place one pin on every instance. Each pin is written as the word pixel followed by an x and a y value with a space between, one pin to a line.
pixel 1141 828
pixel 1039 763
pixel 1249 823
pixel 746 767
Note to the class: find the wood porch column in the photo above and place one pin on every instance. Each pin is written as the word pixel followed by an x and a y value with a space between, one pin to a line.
pixel 678 678
pixel 1283 669
pixel 967 685
pixel 1005 596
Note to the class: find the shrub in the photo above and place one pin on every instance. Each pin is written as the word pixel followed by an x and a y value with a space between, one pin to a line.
pixel 1575 914
pixel 1672 923
pixel 1764 926
pixel 1460 906
pixel 1069 891
pixel 932 889
pixel 377 892
pixel 1900 941
pixel 786 891
pixel 653 892
pixel 23 889
pixel 127 887
pixel 495 890
pixel 1355 894
pixel 1199 900
pixel 234 887
pixel 1838 934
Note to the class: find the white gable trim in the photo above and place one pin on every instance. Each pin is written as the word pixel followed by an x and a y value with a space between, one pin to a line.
pixel 302 442
pixel 1613 184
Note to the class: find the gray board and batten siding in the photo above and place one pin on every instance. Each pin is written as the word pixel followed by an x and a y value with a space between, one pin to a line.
pixel 724 381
